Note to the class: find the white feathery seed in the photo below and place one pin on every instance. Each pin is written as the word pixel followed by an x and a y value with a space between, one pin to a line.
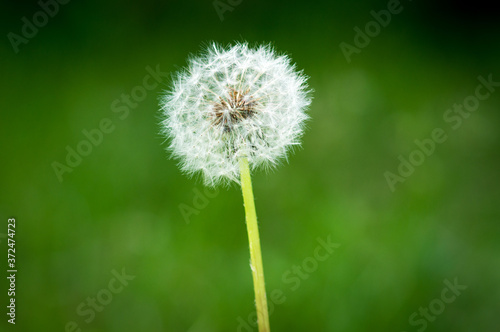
pixel 232 103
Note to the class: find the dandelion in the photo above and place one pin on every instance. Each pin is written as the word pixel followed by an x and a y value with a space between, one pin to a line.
pixel 231 110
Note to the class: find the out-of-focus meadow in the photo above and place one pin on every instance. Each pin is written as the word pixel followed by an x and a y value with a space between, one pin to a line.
pixel 113 228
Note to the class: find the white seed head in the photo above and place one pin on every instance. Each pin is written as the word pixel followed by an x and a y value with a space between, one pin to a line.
pixel 232 103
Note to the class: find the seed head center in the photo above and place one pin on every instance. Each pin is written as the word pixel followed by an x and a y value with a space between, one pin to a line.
pixel 237 106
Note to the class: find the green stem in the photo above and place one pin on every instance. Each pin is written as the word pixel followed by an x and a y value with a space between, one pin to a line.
pixel 255 253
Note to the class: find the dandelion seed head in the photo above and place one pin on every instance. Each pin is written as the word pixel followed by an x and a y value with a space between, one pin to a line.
pixel 231 103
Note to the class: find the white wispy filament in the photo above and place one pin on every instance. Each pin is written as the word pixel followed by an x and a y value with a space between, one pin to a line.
pixel 232 103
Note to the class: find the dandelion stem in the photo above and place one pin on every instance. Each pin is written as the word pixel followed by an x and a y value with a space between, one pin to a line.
pixel 254 241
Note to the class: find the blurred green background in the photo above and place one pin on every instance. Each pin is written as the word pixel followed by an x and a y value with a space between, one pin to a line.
pixel 120 207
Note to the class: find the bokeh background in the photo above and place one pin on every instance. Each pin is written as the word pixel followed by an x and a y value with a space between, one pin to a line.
pixel 120 207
